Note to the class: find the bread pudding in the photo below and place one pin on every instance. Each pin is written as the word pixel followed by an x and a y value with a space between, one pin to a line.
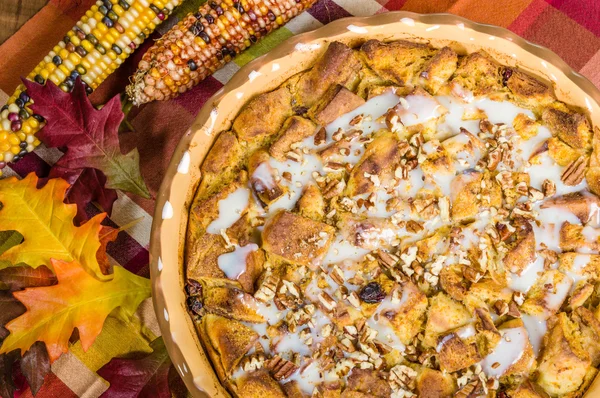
pixel 400 220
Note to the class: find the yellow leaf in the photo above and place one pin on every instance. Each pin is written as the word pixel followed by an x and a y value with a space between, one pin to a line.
pixel 77 301
pixel 46 224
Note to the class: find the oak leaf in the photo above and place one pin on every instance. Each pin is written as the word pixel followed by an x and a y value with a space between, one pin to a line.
pixel 17 278
pixel 87 186
pixel 143 377
pixel 46 225
pixel 89 135
pixel 77 301
pixel 35 365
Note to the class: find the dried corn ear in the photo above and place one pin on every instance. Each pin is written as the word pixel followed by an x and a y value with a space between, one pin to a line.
pixel 204 41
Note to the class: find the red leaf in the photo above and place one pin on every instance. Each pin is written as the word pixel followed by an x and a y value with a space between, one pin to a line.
pixel 146 377
pixel 90 135
pixel 87 185
pixel 17 278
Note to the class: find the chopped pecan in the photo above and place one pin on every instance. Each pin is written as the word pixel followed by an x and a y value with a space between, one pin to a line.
pixel 548 188
pixel 320 136
pixel 281 368
pixel 328 302
pixel 494 158
pixel 386 260
pixel 513 310
pixel 413 227
pixel 500 307
pixel 486 126
pixel 471 390
pixel 574 173
pixel 334 188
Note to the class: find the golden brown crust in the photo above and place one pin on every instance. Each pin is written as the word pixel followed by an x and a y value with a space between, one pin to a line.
pixel 294 130
pixel 527 91
pixel 264 115
pixel 296 239
pixel 479 73
pixel 339 65
pixel 398 61
pixel 376 166
pixel 435 384
pixel 572 128
pixel 368 382
pixel 438 70
pixel 564 363
pixel 259 384
pixel 226 342
pixel 338 101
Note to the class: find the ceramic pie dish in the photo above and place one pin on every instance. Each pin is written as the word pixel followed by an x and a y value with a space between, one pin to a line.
pixel 267 73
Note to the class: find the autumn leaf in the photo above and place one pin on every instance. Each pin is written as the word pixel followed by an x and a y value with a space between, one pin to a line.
pixel 10 308
pixel 87 186
pixel 107 235
pixel 90 135
pixel 35 365
pixel 17 278
pixel 7 384
pixel 46 225
pixel 77 301
pixel 144 377
pixel 9 239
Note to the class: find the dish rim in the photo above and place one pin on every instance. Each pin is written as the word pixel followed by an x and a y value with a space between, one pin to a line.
pixel 242 77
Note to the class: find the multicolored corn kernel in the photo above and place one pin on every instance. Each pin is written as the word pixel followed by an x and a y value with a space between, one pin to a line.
pixel 204 41
pixel 98 43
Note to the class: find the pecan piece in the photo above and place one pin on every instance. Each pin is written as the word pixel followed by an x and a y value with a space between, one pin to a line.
pixel 281 368
pixel 321 136
pixel 573 174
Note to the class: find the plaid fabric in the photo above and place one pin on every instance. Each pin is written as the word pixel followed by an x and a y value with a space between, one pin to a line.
pixel 569 27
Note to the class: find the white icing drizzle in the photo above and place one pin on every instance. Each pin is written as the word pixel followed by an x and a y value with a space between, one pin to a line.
pixel 230 210
pixel 536 329
pixel 508 351
pixel 524 282
pixel 341 250
pixel 418 109
pixel 556 295
pixel 234 264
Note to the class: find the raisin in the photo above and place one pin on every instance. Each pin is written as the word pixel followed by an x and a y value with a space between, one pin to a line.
pixel 195 305
pixel 506 74
pixel 194 288
pixel 372 293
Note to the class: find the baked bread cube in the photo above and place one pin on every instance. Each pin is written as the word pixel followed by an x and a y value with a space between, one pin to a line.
pixel 259 383
pixel 339 65
pixel 444 314
pixel 226 341
pixel 564 363
pixel 479 74
pixel 399 61
pixel 438 69
pixel 376 166
pixel 296 239
pixel 294 130
pixel 337 102
pixel 435 384
pixel 571 127
pixel 548 294
pixel 263 116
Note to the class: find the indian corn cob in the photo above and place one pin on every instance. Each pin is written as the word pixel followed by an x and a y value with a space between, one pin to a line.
pixel 98 43
pixel 203 42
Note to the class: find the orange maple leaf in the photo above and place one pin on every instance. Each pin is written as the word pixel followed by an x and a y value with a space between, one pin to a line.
pixel 46 224
pixel 77 301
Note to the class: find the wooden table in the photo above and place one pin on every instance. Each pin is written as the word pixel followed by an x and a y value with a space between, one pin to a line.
pixel 14 13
